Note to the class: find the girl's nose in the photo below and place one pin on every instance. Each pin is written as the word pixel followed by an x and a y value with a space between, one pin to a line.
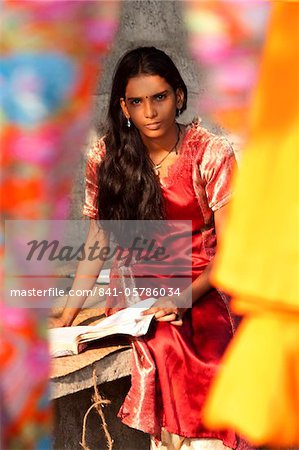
pixel 149 110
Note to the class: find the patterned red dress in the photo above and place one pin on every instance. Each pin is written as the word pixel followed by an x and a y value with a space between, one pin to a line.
pixel 173 366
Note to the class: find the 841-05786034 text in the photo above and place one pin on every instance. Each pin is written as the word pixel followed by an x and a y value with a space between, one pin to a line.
pixel 139 292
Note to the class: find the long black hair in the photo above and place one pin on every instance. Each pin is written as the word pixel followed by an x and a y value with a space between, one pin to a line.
pixel 129 189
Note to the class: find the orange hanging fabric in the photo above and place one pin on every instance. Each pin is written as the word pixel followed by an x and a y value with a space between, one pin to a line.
pixel 257 390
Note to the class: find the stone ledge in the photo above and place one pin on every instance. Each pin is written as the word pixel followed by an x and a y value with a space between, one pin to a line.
pixel 109 368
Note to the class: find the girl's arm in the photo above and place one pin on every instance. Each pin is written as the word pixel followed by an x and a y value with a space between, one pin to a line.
pixel 164 309
pixel 85 278
pixel 202 284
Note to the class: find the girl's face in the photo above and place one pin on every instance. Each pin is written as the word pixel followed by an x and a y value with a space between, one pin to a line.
pixel 151 104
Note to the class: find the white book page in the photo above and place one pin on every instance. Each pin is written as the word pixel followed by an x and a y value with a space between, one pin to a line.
pixel 127 321
pixel 63 340
pixel 127 315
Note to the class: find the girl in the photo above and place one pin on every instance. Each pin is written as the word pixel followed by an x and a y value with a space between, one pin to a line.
pixel 150 167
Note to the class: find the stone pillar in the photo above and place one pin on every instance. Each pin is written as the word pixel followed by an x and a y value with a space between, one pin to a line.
pixel 69 412
pixel 150 23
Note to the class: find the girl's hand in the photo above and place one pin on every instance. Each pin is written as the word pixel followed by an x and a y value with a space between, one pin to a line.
pixel 56 322
pixel 166 310
pixel 60 317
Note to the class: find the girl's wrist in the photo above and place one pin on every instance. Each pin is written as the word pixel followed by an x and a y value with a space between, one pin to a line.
pixel 185 299
pixel 67 318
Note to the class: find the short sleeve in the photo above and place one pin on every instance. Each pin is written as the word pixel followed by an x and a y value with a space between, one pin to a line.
pixel 95 155
pixel 217 166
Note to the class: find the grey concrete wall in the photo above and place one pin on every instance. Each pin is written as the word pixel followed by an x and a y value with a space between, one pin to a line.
pixel 142 22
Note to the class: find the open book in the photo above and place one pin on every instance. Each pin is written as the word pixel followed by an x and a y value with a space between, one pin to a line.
pixel 67 341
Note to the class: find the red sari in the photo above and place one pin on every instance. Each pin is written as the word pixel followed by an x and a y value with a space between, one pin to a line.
pixel 173 366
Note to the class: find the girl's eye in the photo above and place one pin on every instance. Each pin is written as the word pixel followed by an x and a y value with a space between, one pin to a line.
pixel 135 101
pixel 160 97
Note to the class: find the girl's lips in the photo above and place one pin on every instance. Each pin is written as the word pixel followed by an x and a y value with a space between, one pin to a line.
pixel 153 126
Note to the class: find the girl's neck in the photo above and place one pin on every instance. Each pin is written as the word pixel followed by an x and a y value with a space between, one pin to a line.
pixel 166 142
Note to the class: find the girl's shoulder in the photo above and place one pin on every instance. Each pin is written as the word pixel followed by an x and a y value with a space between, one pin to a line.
pixel 96 150
pixel 205 144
